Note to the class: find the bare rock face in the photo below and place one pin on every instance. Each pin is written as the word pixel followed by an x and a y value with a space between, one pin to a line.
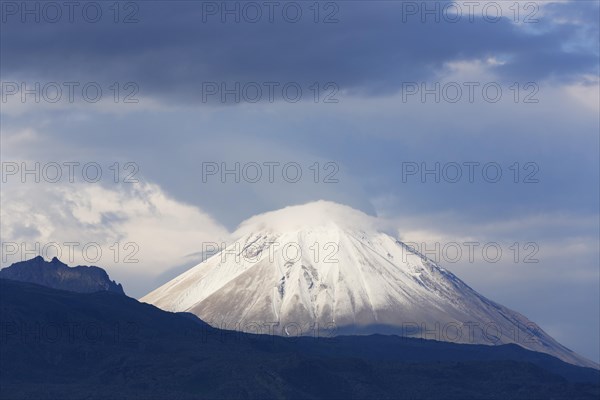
pixel 58 275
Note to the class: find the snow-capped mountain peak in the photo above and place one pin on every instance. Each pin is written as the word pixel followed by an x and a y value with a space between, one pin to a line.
pixel 327 269
pixel 318 214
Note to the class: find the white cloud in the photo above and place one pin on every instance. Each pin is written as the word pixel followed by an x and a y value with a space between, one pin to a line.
pixel 586 92
pixel 138 216
pixel 565 245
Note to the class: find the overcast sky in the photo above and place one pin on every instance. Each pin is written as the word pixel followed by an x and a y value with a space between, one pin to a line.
pixel 366 93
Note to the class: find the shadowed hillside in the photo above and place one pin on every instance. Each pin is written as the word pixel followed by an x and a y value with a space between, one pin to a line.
pixel 58 275
pixel 59 344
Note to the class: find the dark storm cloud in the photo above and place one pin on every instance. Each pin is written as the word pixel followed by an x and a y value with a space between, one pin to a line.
pixel 171 52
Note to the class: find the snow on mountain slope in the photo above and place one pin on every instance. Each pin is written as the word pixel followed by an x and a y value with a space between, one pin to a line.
pixel 327 269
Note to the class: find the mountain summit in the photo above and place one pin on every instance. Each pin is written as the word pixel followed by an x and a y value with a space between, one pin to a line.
pixel 58 275
pixel 327 269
